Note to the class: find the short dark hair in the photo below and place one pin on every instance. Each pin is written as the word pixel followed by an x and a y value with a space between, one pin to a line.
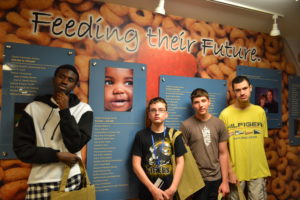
pixel 156 100
pixel 199 92
pixel 69 67
pixel 269 90
pixel 239 79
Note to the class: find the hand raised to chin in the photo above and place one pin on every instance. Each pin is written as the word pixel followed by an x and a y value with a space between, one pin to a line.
pixel 62 100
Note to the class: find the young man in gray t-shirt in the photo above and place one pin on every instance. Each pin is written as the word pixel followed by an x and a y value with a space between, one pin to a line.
pixel 207 136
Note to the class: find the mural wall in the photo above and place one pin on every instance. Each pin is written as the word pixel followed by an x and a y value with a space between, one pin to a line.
pixel 168 45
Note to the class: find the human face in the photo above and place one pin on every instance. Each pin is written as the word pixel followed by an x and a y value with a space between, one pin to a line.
pixel 64 81
pixel 157 113
pixel 118 89
pixel 201 105
pixel 269 96
pixel 242 91
pixel 262 102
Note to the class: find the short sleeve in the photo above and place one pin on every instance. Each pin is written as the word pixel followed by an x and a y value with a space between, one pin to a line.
pixel 265 123
pixel 223 134
pixel 185 135
pixel 179 146
pixel 137 145
pixel 222 117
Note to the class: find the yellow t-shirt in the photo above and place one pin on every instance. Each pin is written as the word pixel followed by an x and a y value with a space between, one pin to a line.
pixel 247 129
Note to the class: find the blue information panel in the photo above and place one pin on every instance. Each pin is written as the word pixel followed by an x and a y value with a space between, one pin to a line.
pixel 266 91
pixel 294 110
pixel 117 94
pixel 177 90
pixel 27 72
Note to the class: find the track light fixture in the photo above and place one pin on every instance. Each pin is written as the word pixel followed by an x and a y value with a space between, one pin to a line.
pixel 275 30
pixel 160 9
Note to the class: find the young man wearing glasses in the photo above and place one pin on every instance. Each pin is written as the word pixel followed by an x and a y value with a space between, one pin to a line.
pixel 207 137
pixel 151 159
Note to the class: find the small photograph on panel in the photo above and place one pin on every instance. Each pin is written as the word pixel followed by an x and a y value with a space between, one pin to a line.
pixel 118 89
pixel 267 98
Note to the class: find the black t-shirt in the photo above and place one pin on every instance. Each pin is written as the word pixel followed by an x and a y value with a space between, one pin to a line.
pixel 155 149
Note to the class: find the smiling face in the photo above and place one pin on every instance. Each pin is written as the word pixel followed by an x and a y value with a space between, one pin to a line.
pixel 64 81
pixel 118 89
pixel 270 96
pixel 262 101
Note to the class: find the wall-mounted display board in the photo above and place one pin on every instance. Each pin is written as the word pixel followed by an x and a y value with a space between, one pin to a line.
pixel 117 94
pixel 294 110
pixel 266 91
pixel 27 72
pixel 177 90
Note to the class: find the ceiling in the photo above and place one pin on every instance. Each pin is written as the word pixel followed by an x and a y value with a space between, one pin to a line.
pixel 289 25
pixel 286 7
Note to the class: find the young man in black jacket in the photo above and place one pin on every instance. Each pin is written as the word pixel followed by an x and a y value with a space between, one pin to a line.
pixel 51 133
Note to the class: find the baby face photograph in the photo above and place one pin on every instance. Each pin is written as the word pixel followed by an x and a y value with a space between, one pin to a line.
pixel 118 89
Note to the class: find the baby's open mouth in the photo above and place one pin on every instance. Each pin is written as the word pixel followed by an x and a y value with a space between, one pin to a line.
pixel 119 102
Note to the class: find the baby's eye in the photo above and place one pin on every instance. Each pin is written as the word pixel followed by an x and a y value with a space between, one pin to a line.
pixel 129 83
pixel 108 82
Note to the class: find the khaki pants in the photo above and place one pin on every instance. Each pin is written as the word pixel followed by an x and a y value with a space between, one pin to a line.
pixel 256 190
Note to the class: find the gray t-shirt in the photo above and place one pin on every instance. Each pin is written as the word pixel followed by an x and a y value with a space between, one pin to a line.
pixel 203 138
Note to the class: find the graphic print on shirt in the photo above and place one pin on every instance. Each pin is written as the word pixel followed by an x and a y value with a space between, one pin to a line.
pixel 159 158
pixel 206 136
pixel 245 128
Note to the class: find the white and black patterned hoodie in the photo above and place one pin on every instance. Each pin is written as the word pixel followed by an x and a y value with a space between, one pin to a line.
pixel 44 130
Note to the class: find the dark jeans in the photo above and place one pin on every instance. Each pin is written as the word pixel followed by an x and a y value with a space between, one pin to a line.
pixel 209 191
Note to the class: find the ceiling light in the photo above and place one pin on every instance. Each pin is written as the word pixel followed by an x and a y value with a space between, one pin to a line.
pixel 275 30
pixel 160 9
pixel 244 6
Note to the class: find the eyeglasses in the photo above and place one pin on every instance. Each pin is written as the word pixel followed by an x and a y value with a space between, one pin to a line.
pixel 157 111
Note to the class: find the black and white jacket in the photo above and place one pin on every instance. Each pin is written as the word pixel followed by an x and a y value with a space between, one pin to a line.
pixel 44 130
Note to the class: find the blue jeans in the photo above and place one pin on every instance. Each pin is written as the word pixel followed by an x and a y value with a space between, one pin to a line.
pixel 209 191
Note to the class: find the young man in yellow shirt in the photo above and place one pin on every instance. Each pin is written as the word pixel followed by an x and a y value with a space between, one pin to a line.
pixel 247 126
